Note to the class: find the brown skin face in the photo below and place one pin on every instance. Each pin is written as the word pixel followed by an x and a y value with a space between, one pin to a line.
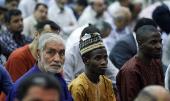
pixel 36 93
pixel 16 24
pixel 120 23
pixel 52 57
pixel 79 9
pixel 41 13
pixel 152 45
pixel 99 6
pixel 97 62
pixel 12 5
pixel 61 3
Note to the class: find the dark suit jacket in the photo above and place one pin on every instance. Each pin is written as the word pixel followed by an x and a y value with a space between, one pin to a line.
pixel 123 50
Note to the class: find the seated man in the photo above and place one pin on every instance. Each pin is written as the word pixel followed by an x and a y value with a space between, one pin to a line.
pixel 23 58
pixel 92 85
pixel 39 87
pixel 74 65
pixel 39 15
pixel 13 37
pixel 50 59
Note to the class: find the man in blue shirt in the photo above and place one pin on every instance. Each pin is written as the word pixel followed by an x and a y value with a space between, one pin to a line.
pixel 50 60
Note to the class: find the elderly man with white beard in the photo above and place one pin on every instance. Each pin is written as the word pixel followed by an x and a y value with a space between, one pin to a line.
pixel 50 60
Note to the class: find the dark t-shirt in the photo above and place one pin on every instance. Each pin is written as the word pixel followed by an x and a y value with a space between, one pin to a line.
pixel 135 75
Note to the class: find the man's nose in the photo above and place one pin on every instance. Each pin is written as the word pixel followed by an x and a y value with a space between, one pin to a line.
pixel 21 22
pixel 57 57
pixel 104 62
pixel 159 45
pixel 44 14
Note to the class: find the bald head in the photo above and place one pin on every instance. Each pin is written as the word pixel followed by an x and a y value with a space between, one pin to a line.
pixel 153 93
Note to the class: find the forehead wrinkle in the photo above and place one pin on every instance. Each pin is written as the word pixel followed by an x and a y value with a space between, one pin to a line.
pixel 54 41
pixel 60 46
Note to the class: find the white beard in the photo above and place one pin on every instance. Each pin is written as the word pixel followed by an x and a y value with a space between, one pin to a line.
pixel 54 69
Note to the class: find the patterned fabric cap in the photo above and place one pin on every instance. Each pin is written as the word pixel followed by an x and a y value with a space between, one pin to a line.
pixel 90 42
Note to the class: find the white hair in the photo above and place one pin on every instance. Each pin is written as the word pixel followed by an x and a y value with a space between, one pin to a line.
pixel 48 37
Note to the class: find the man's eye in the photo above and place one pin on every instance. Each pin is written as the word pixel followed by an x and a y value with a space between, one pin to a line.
pixel 153 42
pixel 50 52
pixel 98 57
pixel 105 57
pixel 62 53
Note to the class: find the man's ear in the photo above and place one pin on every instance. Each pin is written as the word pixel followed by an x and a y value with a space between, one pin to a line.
pixel 141 45
pixel 139 42
pixel 36 34
pixel 85 60
pixel 38 53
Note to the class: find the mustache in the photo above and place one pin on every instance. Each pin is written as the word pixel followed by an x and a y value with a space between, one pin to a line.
pixel 57 64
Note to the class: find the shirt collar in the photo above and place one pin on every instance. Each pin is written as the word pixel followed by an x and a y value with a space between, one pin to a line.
pixel 134 36
pixel 36 68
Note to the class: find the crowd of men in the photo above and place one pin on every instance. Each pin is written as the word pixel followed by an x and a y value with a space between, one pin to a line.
pixel 84 50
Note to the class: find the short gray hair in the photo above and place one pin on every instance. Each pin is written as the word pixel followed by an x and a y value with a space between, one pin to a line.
pixel 48 37
pixel 122 12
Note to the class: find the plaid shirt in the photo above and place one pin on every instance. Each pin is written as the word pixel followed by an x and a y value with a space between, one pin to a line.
pixel 9 42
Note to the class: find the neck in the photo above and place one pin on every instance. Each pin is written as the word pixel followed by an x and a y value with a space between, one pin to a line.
pixel 144 59
pixel 92 77
pixel 33 48
pixel 99 15
pixel 40 66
